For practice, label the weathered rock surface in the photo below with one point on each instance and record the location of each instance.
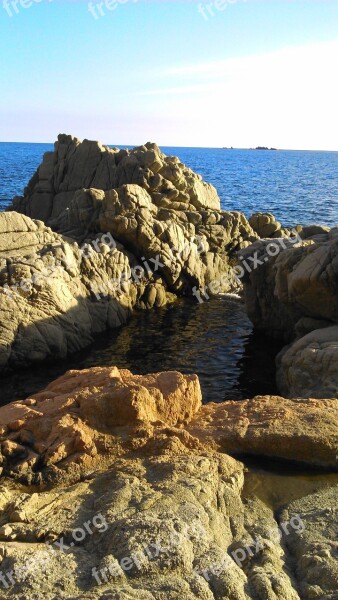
(291, 290)
(300, 282)
(129, 229)
(166, 517)
(75, 165)
(315, 550)
(298, 430)
(309, 366)
(267, 226)
(46, 296)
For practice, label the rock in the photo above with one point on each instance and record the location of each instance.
(291, 291)
(75, 165)
(315, 550)
(128, 229)
(72, 419)
(299, 281)
(309, 366)
(297, 430)
(267, 226)
(142, 502)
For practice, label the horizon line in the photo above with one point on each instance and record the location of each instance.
(266, 149)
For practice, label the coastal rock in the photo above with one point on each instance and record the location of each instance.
(315, 550)
(299, 430)
(292, 281)
(74, 417)
(267, 226)
(46, 292)
(155, 511)
(81, 420)
(128, 229)
(309, 367)
(75, 165)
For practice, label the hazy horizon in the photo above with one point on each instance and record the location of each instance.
(119, 145)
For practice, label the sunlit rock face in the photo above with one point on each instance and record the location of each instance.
(100, 232)
(143, 502)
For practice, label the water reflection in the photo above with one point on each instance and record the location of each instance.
(213, 339)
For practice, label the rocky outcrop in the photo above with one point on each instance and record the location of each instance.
(309, 366)
(69, 427)
(46, 292)
(75, 165)
(128, 229)
(315, 550)
(291, 291)
(267, 226)
(142, 501)
(300, 282)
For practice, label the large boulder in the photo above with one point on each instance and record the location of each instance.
(304, 431)
(292, 281)
(47, 306)
(309, 366)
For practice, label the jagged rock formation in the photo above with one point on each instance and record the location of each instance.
(142, 506)
(301, 281)
(75, 165)
(294, 291)
(128, 229)
(46, 287)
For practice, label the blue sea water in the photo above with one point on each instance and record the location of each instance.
(297, 186)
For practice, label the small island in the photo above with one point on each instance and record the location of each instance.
(265, 148)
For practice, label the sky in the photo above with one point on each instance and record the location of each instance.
(214, 73)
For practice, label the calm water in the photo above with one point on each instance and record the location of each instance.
(214, 339)
(298, 187)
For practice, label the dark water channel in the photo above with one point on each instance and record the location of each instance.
(213, 339)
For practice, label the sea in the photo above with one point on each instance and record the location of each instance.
(298, 187)
(214, 339)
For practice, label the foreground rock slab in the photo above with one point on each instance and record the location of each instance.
(301, 430)
(142, 502)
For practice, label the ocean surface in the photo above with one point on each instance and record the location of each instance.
(298, 187)
(214, 339)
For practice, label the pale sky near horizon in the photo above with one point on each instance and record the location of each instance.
(258, 72)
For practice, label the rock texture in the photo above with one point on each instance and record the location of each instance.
(309, 366)
(46, 292)
(300, 282)
(297, 430)
(142, 501)
(293, 294)
(128, 229)
(267, 226)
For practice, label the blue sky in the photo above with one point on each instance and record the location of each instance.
(239, 73)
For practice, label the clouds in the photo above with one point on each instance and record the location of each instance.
(286, 98)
